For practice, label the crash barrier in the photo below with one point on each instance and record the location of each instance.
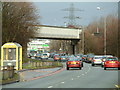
(7, 72)
(41, 64)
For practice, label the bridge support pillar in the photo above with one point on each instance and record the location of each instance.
(74, 43)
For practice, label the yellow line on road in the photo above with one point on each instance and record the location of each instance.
(117, 86)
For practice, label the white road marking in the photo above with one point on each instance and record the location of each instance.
(82, 74)
(62, 82)
(50, 86)
(86, 72)
(72, 79)
(78, 76)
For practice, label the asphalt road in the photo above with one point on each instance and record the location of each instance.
(88, 77)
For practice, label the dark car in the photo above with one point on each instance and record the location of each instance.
(84, 57)
(73, 63)
(63, 58)
(89, 58)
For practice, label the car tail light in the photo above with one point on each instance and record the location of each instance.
(106, 62)
(94, 60)
(82, 57)
(116, 62)
(69, 63)
(77, 62)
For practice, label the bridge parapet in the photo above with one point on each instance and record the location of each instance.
(51, 32)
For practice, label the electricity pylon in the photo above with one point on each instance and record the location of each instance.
(71, 17)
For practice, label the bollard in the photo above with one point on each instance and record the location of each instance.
(13, 71)
(3, 75)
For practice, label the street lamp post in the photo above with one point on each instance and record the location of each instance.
(105, 36)
(83, 41)
(105, 29)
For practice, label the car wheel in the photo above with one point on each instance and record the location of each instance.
(92, 64)
(67, 68)
(104, 68)
(82, 65)
(101, 65)
(118, 68)
(80, 68)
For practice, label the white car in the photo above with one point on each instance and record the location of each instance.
(44, 56)
(97, 60)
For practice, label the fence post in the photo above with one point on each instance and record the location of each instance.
(3, 71)
(12, 68)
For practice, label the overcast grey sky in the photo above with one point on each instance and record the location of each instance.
(52, 14)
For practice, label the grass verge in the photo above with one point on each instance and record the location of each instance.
(55, 64)
(29, 66)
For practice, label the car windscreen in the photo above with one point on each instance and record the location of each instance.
(57, 56)
(98, 57)
(44, 54)
(73, 59)
(109, 59)
(63, 56)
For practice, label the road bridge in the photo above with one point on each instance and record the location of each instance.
(55, 32)
(58, 33)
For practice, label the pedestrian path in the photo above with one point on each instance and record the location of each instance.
(30, 74)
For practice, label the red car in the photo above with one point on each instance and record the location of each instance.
(73, 63)
(112, 62)
(56, 58)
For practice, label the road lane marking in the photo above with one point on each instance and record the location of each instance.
(50, 86)
(82, 74)
(72, 79)
(89, 68)
(86, 72)
(62, 82)
(78, 76)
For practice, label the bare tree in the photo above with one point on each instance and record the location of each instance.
(95, 43)
(16, 19)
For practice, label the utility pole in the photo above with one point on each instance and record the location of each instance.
(83, 41)
(105, 36)
(71, 16)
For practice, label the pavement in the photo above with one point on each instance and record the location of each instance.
(27, 75)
